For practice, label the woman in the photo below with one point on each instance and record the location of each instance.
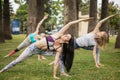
(31, 38)
(94, 40)
(52, 42)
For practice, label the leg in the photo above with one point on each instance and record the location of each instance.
(25, 43)
(62, 70)
(30, 50)
(23, 56)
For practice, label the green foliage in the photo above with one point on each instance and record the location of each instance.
(83, 67)
(114, 9)
(20, 2)
(84, 6)
(22, 12)
(55, 11)
(114, 23)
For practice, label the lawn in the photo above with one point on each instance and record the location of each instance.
(83, 67)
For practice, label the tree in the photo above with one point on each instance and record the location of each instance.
(117, 43)
(22, 10)
(104, 13)
(114, 23)
(1, 26)
(55, 10)
(6, 20)
(70, 14)
(92, 13)
(35, 14)
(84, 6)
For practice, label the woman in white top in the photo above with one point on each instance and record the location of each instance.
(94, 40)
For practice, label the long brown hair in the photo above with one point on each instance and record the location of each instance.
(68, 54)
(102, 40)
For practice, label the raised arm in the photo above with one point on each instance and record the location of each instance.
(101, 22)
(67, 26)
(40, 23)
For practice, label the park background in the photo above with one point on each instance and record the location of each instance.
(60, 12)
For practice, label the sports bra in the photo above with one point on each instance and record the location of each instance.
(32, 39)
(50, 43)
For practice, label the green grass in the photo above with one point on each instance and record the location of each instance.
(83, 66)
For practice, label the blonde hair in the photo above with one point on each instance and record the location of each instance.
(102, 40)
(42, 34)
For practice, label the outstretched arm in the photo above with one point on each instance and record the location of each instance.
(101, 22)
(56, 62)
(39, 24)
(67, 26)
(94, 56)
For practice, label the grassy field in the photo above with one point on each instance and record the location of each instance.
(83, 66)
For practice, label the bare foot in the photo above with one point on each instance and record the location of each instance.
(100, 64)
(6, 56)
(56, 77)
(97, 66)
(1, 71)
(65, 74)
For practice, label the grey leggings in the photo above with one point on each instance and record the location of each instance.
(24, 44)
(29, 51)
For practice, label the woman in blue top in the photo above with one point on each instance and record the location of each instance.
(60, 42)
(31, 38)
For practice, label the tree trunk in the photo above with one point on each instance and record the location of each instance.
(92, 13)
(36, 13)
(6, 20)
(70, 14)
(40, 13)
(117, 43)
(104, 13)
(1, 26)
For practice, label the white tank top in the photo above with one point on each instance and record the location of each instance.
(86, 40)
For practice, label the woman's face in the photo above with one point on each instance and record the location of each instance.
(66, 38)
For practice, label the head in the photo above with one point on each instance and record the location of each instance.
(42, 34)
(66, 38)
(68, 51)
(101, 38)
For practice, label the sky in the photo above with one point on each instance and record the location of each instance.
(16, 6)
(116, 2)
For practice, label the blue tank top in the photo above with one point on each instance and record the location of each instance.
(32, 39)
